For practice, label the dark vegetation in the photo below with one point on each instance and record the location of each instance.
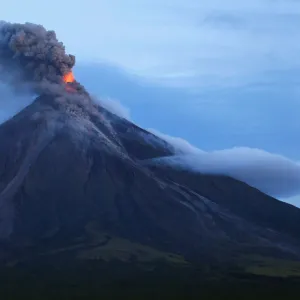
(115, 280)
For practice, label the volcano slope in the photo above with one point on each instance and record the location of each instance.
(77, 185)
(67, 166)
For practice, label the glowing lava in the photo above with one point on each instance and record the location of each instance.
(69, 77)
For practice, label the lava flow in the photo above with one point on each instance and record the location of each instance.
(69, 77)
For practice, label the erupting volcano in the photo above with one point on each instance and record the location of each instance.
(31, 54)
(69, 77)
(79, 182)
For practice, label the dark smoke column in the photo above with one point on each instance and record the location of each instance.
(32, 54)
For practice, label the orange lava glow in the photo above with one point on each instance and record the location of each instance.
(69, 77)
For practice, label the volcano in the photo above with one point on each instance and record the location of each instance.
(72, 171)
(86, 202)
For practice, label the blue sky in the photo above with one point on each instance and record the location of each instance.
(217, 73)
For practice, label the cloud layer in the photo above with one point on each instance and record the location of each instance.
(115, 107)
(273, 174)
(220, 119)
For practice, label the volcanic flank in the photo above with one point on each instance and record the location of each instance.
(71, 170)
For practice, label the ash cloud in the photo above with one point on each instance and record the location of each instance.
(32, 60)
(31, 54)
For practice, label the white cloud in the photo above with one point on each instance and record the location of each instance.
(273, 174)
(195, 43)
(115, 106)
(181, 145)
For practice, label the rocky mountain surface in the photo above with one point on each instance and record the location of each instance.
(67, 167)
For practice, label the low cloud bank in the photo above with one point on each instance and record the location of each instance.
(273, 174)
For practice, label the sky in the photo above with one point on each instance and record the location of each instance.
(218, 74)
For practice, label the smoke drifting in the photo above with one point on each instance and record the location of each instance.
(273, 174)
(30, 53)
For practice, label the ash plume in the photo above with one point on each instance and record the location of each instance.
(33, 55)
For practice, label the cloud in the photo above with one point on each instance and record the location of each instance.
(188, 42)
(273, 174)
(181, 145)
(217, 118)
(194, 44)
(115, 107)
